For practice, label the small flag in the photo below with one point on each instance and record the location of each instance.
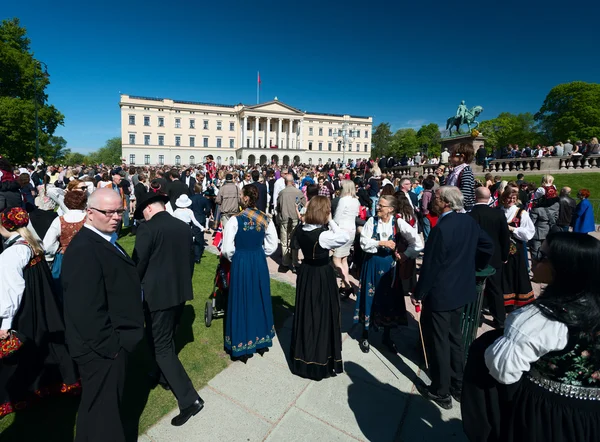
(259, 82)
(218, 239)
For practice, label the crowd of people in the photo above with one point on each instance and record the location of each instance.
(331, 221)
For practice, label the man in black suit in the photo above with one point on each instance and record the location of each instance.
(103, 316)
(456, 248)
(261, 204)
(493, 222)
(406, 187)
(163, 246)
(176, 188)
(187, 177)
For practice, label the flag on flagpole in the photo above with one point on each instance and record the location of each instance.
(258, 88)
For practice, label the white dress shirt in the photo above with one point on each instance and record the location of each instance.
(228, 250)
(52, 238)
(329, 239)
(526, 228)
(187, 216)
(278, 187)
(528, 335)
(12, 284)
(384, 231)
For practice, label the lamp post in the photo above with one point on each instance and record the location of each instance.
(35, 100)
(346, 135)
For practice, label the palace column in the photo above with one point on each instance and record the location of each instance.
(290, 128)
(267, 130)
(301, 136)
(255, 132)
(245, 125)
(279, 133)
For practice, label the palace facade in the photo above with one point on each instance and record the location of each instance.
(164, 131)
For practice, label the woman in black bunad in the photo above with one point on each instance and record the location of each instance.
(316, 351)
(540, 379)
(29, 311)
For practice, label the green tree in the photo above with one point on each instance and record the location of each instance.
(22, 84)
(403, 142)
(430, 134)
(55, 149)
(509, 128)
(73, 158)
(571, 110)
(382, 138)
(109, 154)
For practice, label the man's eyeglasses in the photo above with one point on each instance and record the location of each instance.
(109, 213)
(382, 207)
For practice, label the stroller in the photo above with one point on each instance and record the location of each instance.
(217, 302)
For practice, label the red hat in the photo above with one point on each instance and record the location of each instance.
(13, 219)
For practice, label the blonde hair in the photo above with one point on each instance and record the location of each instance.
(376, 170)
(348, 189)
(33, 242)
(547, 180)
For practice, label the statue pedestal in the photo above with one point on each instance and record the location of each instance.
(450, 142)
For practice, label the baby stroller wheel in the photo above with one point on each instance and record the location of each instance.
(208, 313)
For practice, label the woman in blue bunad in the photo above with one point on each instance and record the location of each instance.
(380, 302)
(248, 238)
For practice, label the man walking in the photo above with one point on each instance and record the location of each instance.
(176, 188)
(456, 248)
(261, 204)
(164, 246)
(493, 222)
(566, 209)
(287, 211)
(103, 316)
(228, 199)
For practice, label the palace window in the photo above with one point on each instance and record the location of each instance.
(146, 140)
(161, 121)
(320, 131)
(146, 121)
(132, 158)
(219, 123)
(205, 125)
(366, 134)
(310, 145)
(205, 142)
(329, 146)
(131, 138)
(339, 146)
(146, 159)
(330, 133)
(161, 159)
(177, 160)
(161, 140)
(192, 141)
(218, 142)
(192, 124)
(132, 120)
(320, 146)
(177, 123)
(310, 131)
(177, 141)
(231, 126)
(192, 160)
(349, 147)
(231, 143)
(366, 147)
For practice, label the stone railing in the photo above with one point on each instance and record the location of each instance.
(565, 164)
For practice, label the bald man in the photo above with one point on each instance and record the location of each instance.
(103, 316)
(493, 222)
(566, 209)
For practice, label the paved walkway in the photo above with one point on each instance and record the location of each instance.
(373, 400)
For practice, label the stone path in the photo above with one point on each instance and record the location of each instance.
(373, 400)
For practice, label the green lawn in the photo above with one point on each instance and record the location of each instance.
(201, 354)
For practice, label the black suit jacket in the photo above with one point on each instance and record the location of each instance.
(164, 257)
(191, 185)
(175, 189)
(493, 222)
(415, 200)
(455, 249)
(102, 298)
(201, 207)
(261, 204)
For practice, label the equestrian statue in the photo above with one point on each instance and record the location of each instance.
(464, 116)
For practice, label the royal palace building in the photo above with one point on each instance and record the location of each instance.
(164, 131)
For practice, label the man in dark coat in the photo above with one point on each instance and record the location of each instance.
(103, 316)
(163, 246)
(261, 204)
(493, 222)
(176, 188)
(202, 208)
(187, 177)
(456, 248)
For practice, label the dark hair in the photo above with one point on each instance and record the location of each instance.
(388, 189)
(520, 176)
(255, 175)
(250, 191)
(23, 179)
(573, 296)
(76, 200)
(105, 177)
(466, 150)
(312, 190)
(174, 173)
(317, 212)
(403, 207)
(428, 183)
(156, 187)
(5, 164)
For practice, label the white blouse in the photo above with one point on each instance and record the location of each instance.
(52, 238)
(411, 234)
(330, 239)
(528, 335)
(187, 216)
(346, 213)
(384, 231)
(12, 284)
(526, 228)
(228, 250)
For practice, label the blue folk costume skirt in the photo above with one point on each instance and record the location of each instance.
(249, 319)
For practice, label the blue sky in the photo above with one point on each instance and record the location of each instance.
(406, 64)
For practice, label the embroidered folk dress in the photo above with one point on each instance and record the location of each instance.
(248, 239)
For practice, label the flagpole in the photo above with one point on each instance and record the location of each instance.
(257, 87)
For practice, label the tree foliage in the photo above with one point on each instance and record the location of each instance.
(509, 128)
(430, 134)
(404, 141)
(109, 154)
(571, 111)
(23, 83)
(382, 137)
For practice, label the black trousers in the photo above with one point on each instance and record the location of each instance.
(99, 414)
(160, 331)
(495, 296)
(443, 342)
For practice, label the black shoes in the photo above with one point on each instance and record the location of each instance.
(262, 351)
(364, 345)
(185, 414)
(456, 393)
(444, 402)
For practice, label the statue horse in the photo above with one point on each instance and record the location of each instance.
(468, 119)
